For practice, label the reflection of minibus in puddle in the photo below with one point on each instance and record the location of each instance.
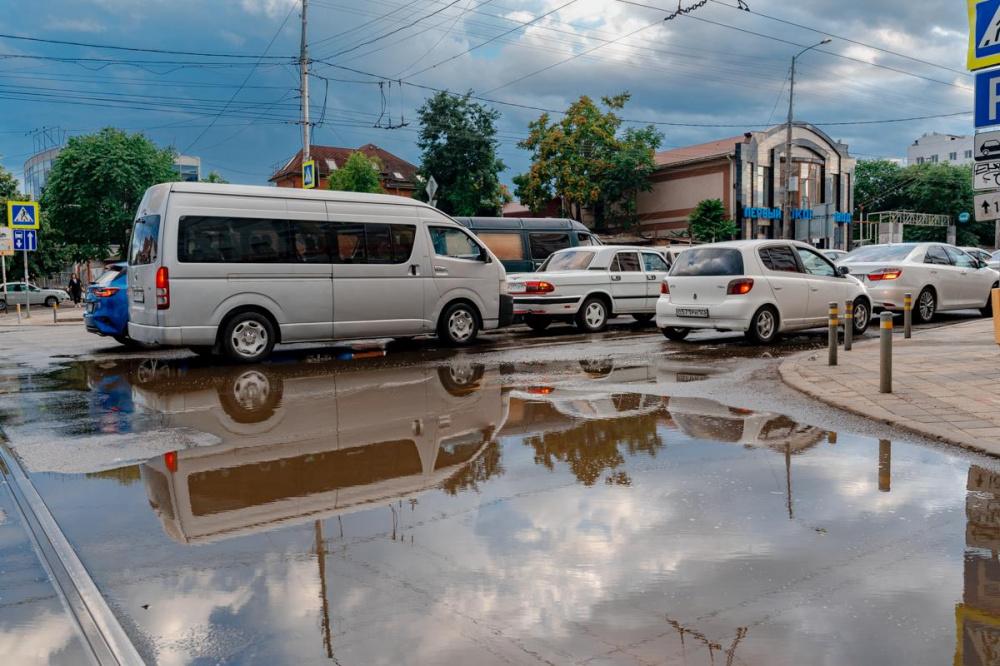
(305, 445)
(701, 418)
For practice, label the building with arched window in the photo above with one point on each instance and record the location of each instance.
(746, 172)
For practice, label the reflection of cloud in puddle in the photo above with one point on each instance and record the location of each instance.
(37, 643)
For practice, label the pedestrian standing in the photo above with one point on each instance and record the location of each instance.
(75, 290)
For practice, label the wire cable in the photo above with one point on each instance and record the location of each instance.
(392, 32)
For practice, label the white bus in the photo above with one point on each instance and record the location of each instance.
(235, 269)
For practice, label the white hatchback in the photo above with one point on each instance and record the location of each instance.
(759, 287)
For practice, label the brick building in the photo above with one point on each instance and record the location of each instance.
(398, 176)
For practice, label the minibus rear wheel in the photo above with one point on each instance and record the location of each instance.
(248, 337)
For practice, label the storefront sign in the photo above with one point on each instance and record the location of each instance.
(842, 218)
(775, 213)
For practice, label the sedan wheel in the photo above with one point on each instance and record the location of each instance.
(926, 306)
(862, 316)
(593, 315)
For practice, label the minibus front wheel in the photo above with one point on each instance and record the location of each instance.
(459, 324)
(248, 337)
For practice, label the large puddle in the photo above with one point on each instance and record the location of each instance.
(368, 513)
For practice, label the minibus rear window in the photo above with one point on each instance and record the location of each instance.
(544, 244)
(145, 240)
(507, 246)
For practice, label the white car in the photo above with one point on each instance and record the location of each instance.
(994, 261)
(980, 254)
(19, 293)
(939, 276)
(589, 285)
(759, 287)
(834, 255)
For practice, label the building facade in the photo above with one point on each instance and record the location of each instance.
(36, 171)
(934, 148)
(397, 175)
(745, 173)
(188, 168)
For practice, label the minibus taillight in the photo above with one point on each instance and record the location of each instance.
(740, 286)
(162, 288)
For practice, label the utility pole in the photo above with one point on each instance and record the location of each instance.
(304, 83)
(788, 230)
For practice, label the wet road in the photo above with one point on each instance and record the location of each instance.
(550, 499)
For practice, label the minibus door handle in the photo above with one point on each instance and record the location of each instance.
(440, 270)
(414, 269)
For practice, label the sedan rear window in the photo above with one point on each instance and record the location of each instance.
(879, 253)
(568, 261)
(708, 261)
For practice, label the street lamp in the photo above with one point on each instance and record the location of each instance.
(786, 209)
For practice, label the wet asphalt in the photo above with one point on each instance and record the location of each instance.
(540, 498)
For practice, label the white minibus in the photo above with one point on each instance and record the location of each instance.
(236, 269)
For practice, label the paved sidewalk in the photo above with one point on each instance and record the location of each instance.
(42, 316)
(946, 383)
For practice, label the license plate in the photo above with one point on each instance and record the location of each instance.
(138, 296)
(691, 312)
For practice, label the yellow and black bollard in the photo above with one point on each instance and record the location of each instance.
(832, 336)
(848, 325)
(885, 353)
(907, 315)
(55, 312)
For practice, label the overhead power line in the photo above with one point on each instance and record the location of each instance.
(392, 32)
(115, 47)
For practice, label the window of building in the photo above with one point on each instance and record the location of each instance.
(934, 159)
(188, 172)
(544, 244)
(920, 160)
(968, 154)
(952, 156)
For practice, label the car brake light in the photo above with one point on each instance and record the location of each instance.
(538, 287)
(105, 292)
(740, 286)
(664, 287)
(541, 390)
(162, 288)
(885, 274)
(170, 460)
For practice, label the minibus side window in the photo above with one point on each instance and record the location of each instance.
(544, 244)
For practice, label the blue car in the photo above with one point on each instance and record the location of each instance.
(106, 304)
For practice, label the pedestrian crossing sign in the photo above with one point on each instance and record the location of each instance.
(22, 214)
(309, 174)
(984, 33)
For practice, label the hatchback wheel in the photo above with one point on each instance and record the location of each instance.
(764, 325)
(644, 318)
(675, 333)
(248, 337)
(458, 325)
(926, 306)
(593, 315)
(862, 316)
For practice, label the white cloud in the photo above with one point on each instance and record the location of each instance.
(75, 25)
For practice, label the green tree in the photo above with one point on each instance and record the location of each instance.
(214, 177)
(359, 174)
(95, 187)
(459, 149)
(50, 256)
(708, 223)
(877, 186)
(588, 160)
(8, 186)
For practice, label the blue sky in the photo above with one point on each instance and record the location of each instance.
(706, 68)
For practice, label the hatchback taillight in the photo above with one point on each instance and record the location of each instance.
(105, 292)
(740, 286)
(885, 274)
(664, 288)
(162, 288)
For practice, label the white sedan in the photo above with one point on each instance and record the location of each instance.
(589, 285)
(759, 287)
(939, 276)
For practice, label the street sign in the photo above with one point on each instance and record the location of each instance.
(984, 33)
(986, 175)
(22, 214)
(987, 146)
(432, 186)
(988, 97)
(963, 217)
(987, 206)
(6, 242)
(309, 173)
(25, 239)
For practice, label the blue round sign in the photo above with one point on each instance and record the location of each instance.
(963, 217)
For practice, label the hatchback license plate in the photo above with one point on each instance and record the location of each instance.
(692, 312)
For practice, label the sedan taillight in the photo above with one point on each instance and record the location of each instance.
(740, 286)
(538, 287)
(664, 288)
(885, 274)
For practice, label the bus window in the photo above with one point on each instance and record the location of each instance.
(506, 246)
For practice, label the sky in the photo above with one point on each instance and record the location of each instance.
(714, 72)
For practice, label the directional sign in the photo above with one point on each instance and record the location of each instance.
(25, 239)
(963, 217)
(309, 172)
(987, 206)
(22, 214)
(984, 33)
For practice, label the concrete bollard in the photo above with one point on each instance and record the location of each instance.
(885, 353)
(907, 315)
(848, 325)
(55, 313)
(832, 334)
(18, 306)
